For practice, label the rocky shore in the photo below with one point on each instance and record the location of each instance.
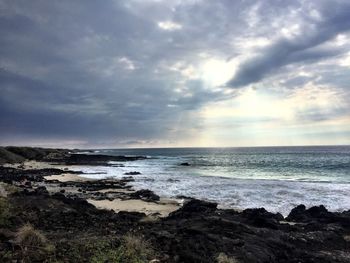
(50, 214)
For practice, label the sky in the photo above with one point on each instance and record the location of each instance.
(180, 73)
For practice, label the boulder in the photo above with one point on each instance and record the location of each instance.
(194, 206)
(259, 217)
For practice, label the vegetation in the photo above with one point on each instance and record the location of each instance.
(5, 212)
(8, 188)
(33, 244)
(223, 258)
(133, 249)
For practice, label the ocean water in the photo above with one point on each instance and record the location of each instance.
(277, 178)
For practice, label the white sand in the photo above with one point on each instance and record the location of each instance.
(163, 207)
(66, 177)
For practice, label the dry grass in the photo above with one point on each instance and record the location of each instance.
(7, 189)
(137, 246)
(132, 249)
(223, 258)
(34, 245)
(28, 237)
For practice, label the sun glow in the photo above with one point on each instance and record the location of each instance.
(251, 104)
(262, 117)
(217, 72)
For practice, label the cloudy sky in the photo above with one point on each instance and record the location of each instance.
(151, 73)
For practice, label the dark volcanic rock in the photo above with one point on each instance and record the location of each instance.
(41, 190)
(301, 214)
(9, 175)
(197, 232)
(132, 173)
(259, 217)
(146, 195)
(319, 215)
(194, 206)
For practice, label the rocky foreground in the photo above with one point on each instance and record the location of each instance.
(45, 220)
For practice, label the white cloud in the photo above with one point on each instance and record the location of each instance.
(127, 63)
(169, 25)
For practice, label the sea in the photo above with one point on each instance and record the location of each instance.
(276, 178)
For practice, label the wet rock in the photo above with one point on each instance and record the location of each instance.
(318, 215)
(194, 206)
(184, 197)
(259, 217)
(170, 180)
(145, 195)
(127, 179)
(132, 173)
(301, 214)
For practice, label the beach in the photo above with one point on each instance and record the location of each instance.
(68, 200)
(276, 178)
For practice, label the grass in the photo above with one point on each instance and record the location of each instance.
(223, 258)
(11, 189)
(133, 249)
(31, 245)
(27, 236)
(5, 212)
(34, 245)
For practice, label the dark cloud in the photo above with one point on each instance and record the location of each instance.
(102, 71)
(301, 47)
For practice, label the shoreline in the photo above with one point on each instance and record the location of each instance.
(79, 176)
(157, 208)
(66, 208)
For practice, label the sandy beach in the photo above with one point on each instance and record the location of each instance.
(160, 208)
